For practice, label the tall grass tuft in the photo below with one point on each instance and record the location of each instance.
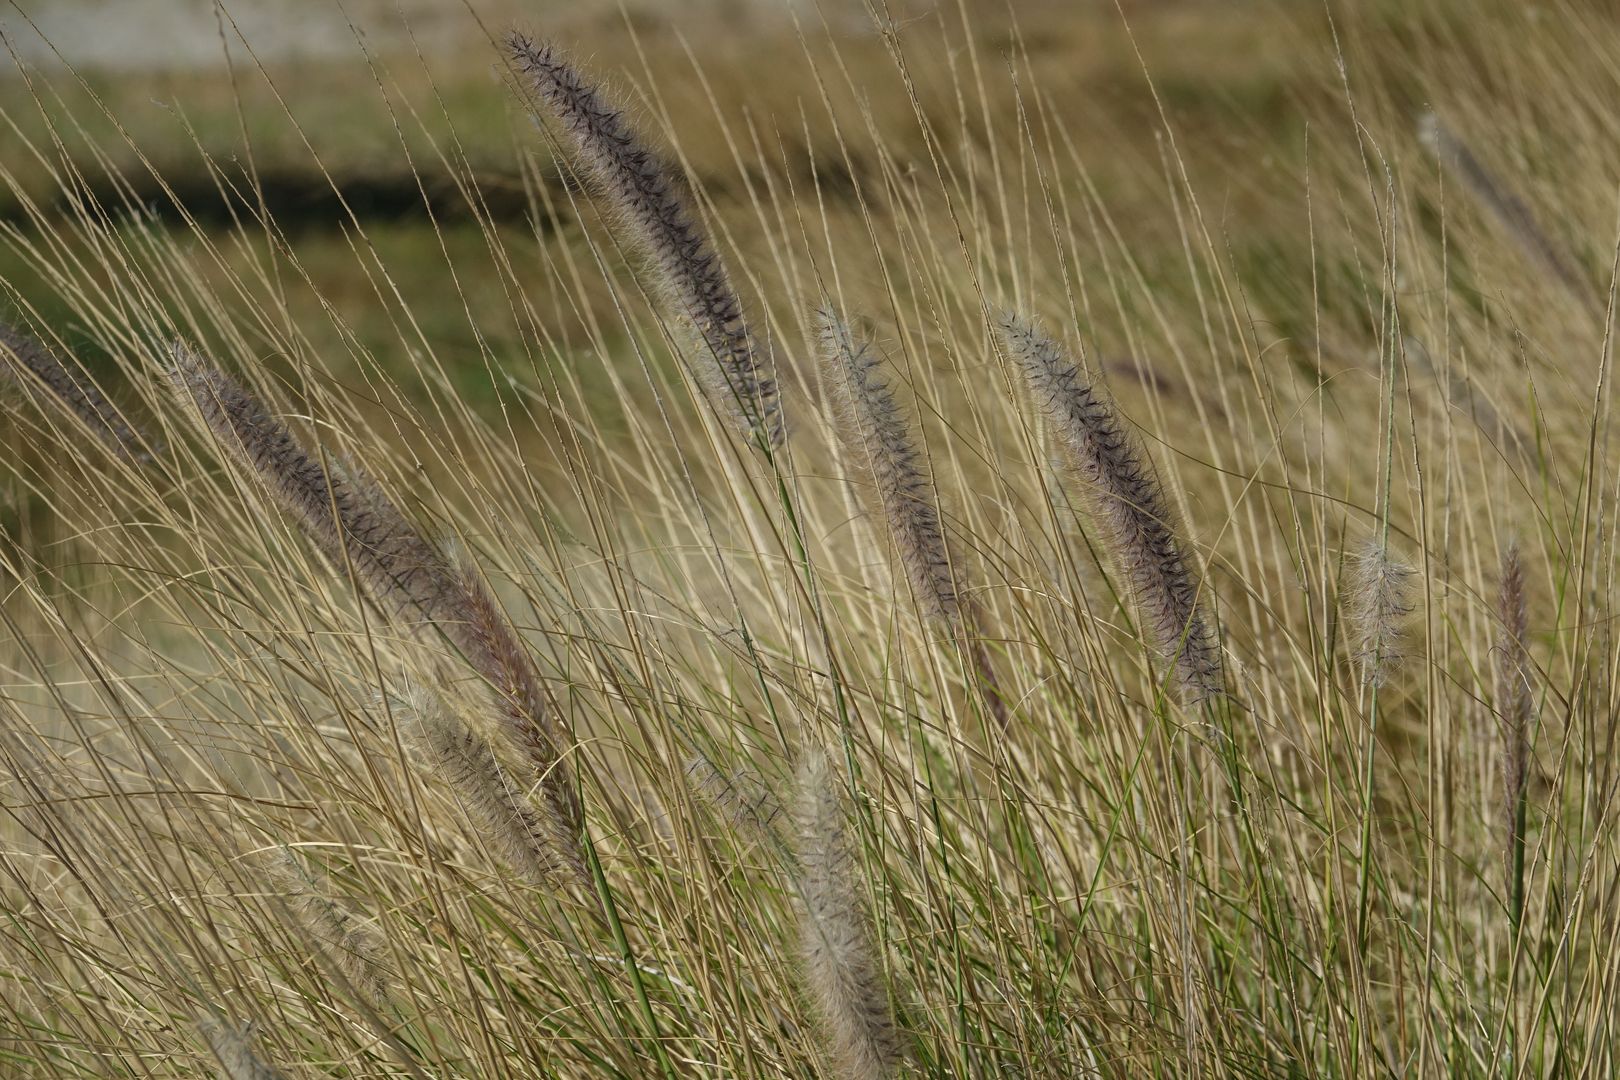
(841, 966)
(1087, 892)
(688, 269)
(1128, 500)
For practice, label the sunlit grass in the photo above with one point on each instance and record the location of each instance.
(222, 834)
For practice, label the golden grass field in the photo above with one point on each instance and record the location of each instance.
(411, 666)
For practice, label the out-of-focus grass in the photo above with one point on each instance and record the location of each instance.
(1225, 74)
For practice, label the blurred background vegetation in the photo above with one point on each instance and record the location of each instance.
(391, 121)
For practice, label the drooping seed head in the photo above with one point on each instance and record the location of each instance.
(688, 271)
(1128, 501)
(355, 524)
(535, 841)
(25, 362)
(354, 946)
(880, 438)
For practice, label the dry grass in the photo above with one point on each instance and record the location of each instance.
(258, 812)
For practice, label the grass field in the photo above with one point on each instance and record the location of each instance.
(1170, 633)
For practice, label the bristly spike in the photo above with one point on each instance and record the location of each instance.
(688, 269)
(233, 1049)
(1129, 502)
(20, 353)
(535, 842)
(1515, 701)
(354, 946)
(842, 968)
(880, 437)
(353, 522)
(1377, 602)
(751, 808)
(879, 434)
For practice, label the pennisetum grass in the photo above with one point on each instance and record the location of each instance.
(350, 944)
(1128, 500)
(25, 360)
(537, 844)
(355, 525)
(747, 805)
(1104, 906)
(881, 439)
(234, 1051)
(841, 967)
(688, 270)
(1378, 599)
(1514, 702)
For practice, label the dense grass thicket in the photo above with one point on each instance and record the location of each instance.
(887, 543)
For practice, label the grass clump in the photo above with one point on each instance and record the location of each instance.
(568, 732)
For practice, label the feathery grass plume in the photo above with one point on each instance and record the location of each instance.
(1128, 502)
(878, 432)
(21, 356)
(688, 269)
(233, 1049)
(1514, 701)
(748, 805)
(841, 966)
(1377, 602)
(350, 519)
(354, 946)
(536, 842)
(1511, 212)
